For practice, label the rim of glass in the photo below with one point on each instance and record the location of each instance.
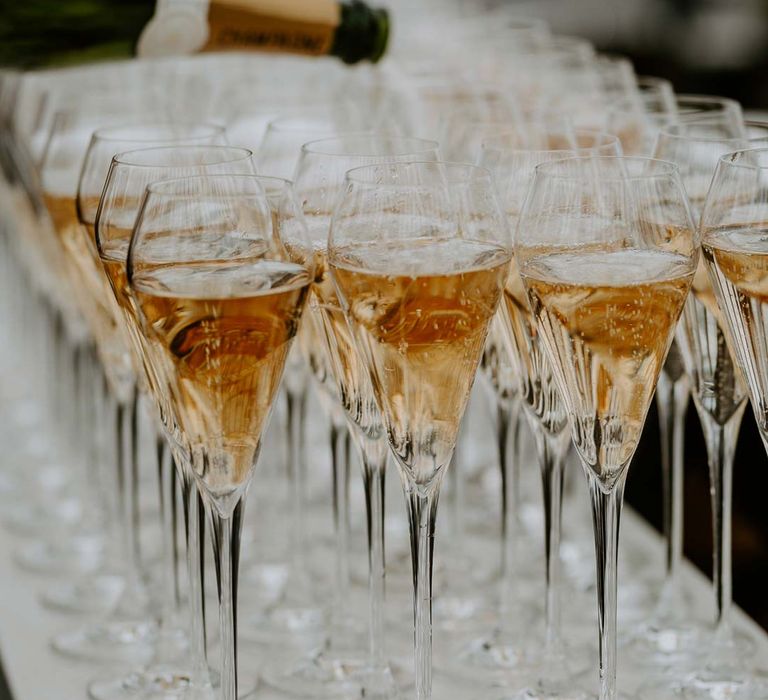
(661, 168)
(697, 98)
(611, 140)
(410, 145)
(729, 159)
(112, 133)
(358, 175)
(299, 124)
(669, 131)
(167, 187)
(238, 153)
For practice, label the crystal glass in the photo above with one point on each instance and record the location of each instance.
(219, 289)
(595, 255)
(732, 222)
(674, 638)
(128, 626)
(546, 671)
(419, 253)
(127, 178)
(319, 182)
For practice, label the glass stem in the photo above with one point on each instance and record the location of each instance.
(551, 451)
(132, 601)
(296, 399)
(374, 460)
(226, 531)
(165, 471)
(672, 397)
(606, 514)
(421, 502)
(193, 525)
(721, 447)
(508, 417)
(340, 445)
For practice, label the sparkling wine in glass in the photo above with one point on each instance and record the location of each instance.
(606, 293)
(419, 254)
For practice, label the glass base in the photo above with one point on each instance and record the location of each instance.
(546, 690)
(492, 658)
(710, 686)
(79, 554)
(285, 625)
(165, 683)
(675, 646)
(126, 642)
(319, 675)
(35, 520)
(93, 595)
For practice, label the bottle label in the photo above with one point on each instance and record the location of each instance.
(295, 26)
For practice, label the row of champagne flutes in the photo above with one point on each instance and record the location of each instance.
(421, 415)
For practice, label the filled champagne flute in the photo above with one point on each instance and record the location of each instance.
(606, 290)
(133, 606)
(127, 178)
(219, 290)
(419, 254)
(319, 181)
(545, 670)
(732, 229)
(719, 394)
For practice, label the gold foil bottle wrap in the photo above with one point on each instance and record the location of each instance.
(295, 26)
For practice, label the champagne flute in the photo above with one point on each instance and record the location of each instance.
(606, 290)
(419, 254)
(719, 397)
(130, 621)
(220, 292)
(733, 240)
(319, 181)
(127, 178)
(547, 671)
(718, 391)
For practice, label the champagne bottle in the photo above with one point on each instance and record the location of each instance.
(47, 33)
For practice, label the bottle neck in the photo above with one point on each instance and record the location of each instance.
(362, 33)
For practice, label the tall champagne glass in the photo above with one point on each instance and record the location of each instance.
(419, 254)
(606, 290)
(319, 181)
(220, 291)
(113, 343)
(127, 178)
(732, 229)
(719, 394)
(549, 670)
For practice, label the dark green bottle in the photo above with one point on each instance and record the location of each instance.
(47, 33)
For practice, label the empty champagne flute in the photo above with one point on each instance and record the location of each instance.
(606, 290)
(419, 253)
(220, 290)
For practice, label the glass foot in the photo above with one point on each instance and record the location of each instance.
(130, 643)
(284, 624)
(23, 518)
(708, 686)
(673, 646)
(79, 554)
(154, 682)
(319, 675)
(93, 595)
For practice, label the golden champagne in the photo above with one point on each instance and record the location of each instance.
(738, 260)
(223, 330)
(540, 395)
(421, 331)
(607, 319)
(92, 292)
